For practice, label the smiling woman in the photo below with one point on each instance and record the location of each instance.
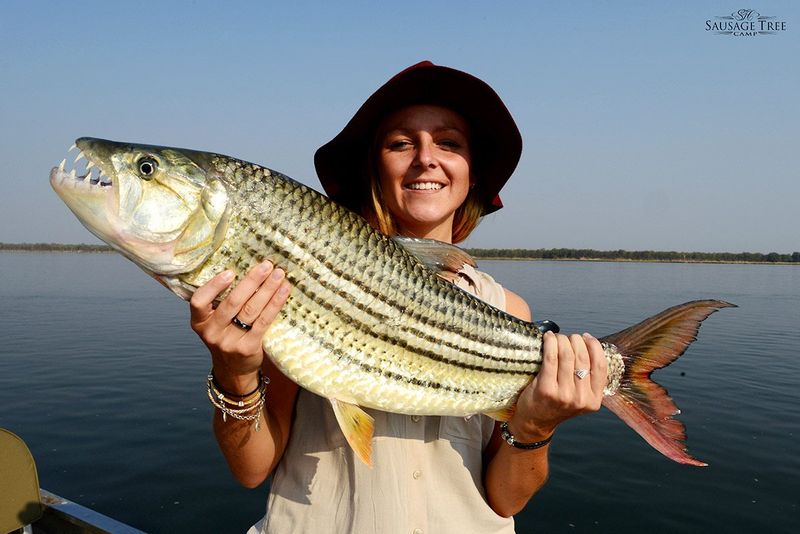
(424, 170)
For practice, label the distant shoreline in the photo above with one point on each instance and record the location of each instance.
(625, 260)
(645, 256)
(53, 247)
(561, 254)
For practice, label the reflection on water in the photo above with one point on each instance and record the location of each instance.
(101, 375)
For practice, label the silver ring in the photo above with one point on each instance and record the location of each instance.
(240, 324)
(581, 373)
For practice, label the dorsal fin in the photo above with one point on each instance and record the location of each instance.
(442, 258)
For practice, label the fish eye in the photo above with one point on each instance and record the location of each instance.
(147, 166)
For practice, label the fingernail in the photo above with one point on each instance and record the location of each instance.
(226, 276)
(587, 335)
(283, 290)
(265, 266)
(277, 274)
(548, 334)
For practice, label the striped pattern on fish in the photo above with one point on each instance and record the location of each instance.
(371, 320)
(396, 336)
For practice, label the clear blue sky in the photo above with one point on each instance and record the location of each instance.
(642, 130)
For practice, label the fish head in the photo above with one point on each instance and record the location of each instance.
(163, 208)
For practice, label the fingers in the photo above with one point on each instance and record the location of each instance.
(559, 359)
(581, 354)
(549, 370)
(240, 294)
(264, 306)
(254, 305)
(272, 308)
(562, 356)
(545, 384)
(566, 362)
(201, 303)
(598, 366)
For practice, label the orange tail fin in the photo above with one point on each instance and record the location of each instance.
(652, 344)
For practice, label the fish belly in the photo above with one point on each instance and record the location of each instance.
(325, 353)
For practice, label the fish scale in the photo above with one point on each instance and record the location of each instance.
(295, 247)
(370, 322)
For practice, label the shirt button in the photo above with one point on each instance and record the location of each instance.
(415, 418)
(416, 474)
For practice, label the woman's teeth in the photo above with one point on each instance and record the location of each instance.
(425, 186)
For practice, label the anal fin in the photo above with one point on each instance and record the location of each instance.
(357, 427)
(503, 414)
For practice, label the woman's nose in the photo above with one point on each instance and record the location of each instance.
(425, 154)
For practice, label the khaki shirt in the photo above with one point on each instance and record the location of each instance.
(426, 476)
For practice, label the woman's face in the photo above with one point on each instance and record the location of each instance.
(424, 169)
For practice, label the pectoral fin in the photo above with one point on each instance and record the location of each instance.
(442, 258)
(357, 427)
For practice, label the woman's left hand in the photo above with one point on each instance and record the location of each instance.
(558, 393)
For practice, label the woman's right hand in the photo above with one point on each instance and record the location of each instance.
(237, 354)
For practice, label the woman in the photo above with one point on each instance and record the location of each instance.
(425, 156)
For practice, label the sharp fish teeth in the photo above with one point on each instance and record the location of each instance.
(78, 157)
(73, 174)
(61, 165)
(73, 147)
(89, 165)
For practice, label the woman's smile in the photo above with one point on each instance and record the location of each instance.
(425, 186)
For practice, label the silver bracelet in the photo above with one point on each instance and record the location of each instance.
(247, 408)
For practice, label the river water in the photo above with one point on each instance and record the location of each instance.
(101, 375)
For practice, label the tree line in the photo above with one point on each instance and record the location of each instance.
(55, 247)
(633, 255)
(519, 253)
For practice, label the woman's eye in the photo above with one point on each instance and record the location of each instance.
(450, 143)
(399, 144)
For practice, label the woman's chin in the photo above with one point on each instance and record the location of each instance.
(434, 225)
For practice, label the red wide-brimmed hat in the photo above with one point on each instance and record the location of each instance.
(496, 144)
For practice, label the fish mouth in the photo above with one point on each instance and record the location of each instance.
(86, 174)
(87, 188)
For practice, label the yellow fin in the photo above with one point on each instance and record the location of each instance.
(503, 414)
(357, 427)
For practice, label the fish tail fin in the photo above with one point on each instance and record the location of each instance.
(652, 344)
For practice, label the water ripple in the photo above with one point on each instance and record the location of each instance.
(101, 375)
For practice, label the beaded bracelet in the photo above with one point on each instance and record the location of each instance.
(214, 382)
(242, 400)
(509, 438)
(243, 407)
